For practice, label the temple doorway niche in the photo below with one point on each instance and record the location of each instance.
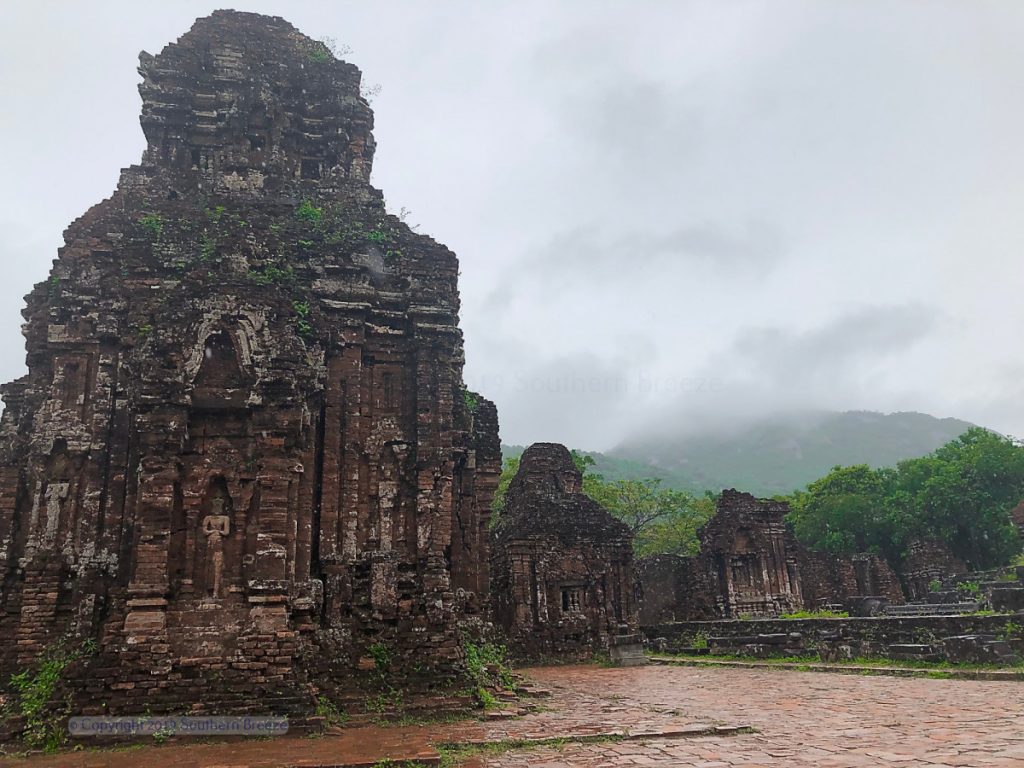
(220, 382)
(746, 563)
(218, 559)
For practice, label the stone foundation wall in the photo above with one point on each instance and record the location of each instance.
(831, 639)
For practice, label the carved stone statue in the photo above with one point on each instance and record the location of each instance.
(215, 527)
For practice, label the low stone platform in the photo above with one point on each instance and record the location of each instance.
(973, 638)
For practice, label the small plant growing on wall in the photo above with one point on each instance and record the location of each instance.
(488, 666)
(970, 588)
(381, 656)
(470, 401)
(153, 224)
(309, 212)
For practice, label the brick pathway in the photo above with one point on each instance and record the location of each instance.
(803, 719)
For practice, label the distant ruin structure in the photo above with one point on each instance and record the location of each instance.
(751, 565)
(243, 455)
(927, 564)
(562, 581)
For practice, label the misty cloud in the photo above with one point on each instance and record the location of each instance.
(821, 355)
(767, 370)
(604, 263)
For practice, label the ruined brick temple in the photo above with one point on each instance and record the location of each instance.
(243, 456)
(750, 564)
(562, 565)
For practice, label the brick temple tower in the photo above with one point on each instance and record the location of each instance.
(562, 565)
(243, 454)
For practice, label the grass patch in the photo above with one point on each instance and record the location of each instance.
(454, 755)
(816, 615)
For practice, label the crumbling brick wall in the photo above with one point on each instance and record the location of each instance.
(674, 588)
(928, 561)
(750, 558)
(243, 450)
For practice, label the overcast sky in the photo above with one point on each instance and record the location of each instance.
(670, 215)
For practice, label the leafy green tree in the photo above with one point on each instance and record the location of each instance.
(960, 494)
(660, 519)
(676, 533)
(845, 511)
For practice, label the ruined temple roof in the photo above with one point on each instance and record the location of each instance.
(546, 497)
(738, 510)
(252, 92)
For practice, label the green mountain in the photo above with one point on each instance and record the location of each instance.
(777, 455)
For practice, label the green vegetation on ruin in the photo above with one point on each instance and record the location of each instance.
(153, 223)
(821, 614)
(470, 400)
(488, 666)
(36, 691)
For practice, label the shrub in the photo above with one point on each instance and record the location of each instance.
(488, 666)
(36, 687)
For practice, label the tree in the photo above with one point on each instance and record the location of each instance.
(660, 519)
(961, 495)
(845, 511)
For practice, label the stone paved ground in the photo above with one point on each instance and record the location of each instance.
(803, 719)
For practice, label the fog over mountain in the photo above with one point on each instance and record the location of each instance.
(672, 217)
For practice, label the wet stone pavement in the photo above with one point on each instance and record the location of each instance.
(799, 719)
(802, 719)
